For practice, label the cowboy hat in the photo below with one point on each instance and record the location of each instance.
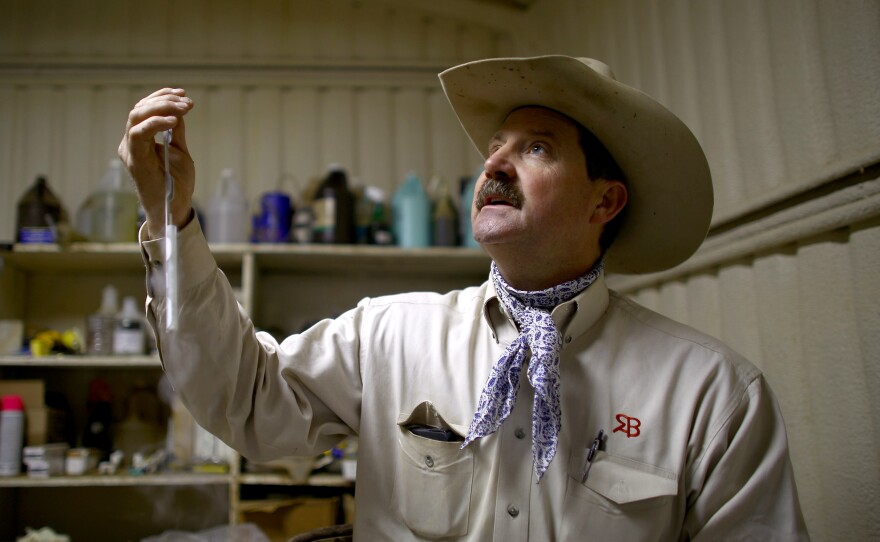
(667, 175)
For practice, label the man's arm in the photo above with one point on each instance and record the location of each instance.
(263, 399)
(742, 486)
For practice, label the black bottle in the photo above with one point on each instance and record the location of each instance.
(333, 209)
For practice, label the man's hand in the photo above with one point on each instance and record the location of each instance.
(145, 160)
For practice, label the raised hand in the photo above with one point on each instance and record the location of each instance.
(144, 158)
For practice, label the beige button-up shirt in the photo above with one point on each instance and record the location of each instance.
(694, 447)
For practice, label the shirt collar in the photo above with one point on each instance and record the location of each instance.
(573, 318)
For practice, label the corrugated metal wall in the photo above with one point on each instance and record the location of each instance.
(781, 93)
(783, 96)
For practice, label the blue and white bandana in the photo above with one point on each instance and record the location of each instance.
(538, 334)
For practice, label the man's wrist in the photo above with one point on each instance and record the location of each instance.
(156, 228)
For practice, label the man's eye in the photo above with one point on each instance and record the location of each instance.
(537, 148)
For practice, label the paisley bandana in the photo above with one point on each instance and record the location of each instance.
(538, 334)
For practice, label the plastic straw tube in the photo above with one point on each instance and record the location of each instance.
(171, 255)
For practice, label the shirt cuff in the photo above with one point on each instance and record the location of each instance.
(195, 261)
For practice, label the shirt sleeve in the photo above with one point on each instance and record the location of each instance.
(742, 487)
(263, 398)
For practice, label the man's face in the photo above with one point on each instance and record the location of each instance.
(534, 194)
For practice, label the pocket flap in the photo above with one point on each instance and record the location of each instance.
(624, 480)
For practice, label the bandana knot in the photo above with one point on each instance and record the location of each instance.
(540, 337)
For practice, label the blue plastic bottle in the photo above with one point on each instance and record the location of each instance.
(411, 211)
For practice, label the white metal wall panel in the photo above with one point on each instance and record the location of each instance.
(266, 106)
(783, 96)
(807, 315)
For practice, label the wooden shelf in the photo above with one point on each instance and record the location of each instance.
(322, 480)
(79, 362)
(322, 278)
(169, 479)
(441, 261)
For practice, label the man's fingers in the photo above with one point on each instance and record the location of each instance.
(178, 138)
(167, 90)
(145, 132)
(161, 105)
(157, 115)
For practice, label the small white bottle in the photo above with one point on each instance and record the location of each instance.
(226, 219)
(101, 326)
(11, 435)
(128, 337)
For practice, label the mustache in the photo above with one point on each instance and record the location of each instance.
(505, 190)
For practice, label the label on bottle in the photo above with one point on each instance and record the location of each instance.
(325, 215)
(31, 234)
(128, 341)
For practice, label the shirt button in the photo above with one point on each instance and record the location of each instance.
(513, 511)
(519, 433)
(429, 461)
(568, 339)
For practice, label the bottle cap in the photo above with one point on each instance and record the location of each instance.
(108, 301)
(12, 402)
(130, 308)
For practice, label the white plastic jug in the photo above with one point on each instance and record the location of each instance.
(112, 207)
(226, 218)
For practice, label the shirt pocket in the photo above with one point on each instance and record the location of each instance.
(433, 487)
(622, 499)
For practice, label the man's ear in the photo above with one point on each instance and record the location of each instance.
(613, 196)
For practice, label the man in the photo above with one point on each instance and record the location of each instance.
(625, 426)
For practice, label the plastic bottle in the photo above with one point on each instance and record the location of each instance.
(411, 212)
(380, 229)
(99, 418)
(467, 199)
(333, 208)
(363, 213)
(100, 327)
(303, 224)
(226, 218)
(39, 212)
(113, 208)
(11, 434)
(445, 220)
(128, 336)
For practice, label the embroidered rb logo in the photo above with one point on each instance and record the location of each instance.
(628, 425)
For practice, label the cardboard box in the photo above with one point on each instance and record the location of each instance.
(36, 425)
(281, 519)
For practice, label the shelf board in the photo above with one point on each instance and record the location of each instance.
(268, 479)
(80, 362)
(349, 259)
(170, 479)
(284, 257)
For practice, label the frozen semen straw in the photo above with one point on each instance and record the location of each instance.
(170, 245)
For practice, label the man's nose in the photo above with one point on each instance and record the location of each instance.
(498, 166)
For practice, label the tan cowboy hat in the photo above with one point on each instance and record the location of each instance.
(670, 187)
